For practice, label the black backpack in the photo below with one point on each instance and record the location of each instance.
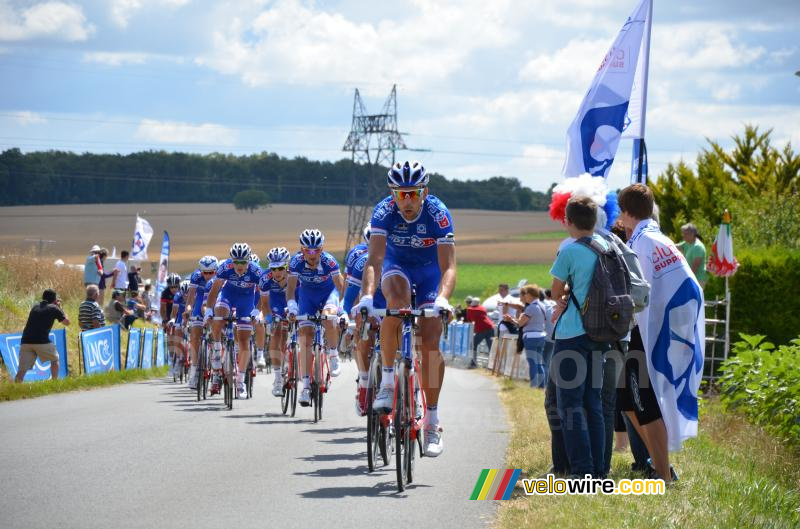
(608, 309)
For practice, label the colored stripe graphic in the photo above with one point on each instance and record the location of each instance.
(487, 484)
(479, 485)
(498, 480)
(501, 489)
(511, 484)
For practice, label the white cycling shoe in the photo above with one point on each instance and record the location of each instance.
(193, 376)
(216, 360)
(261, 362)
(305, 397)
(336, 369)
(277, 387)
(384, 400)
(433, 445)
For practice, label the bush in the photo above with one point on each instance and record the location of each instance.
(763, 382)
(764, 294)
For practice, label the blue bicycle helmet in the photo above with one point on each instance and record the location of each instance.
(408, 174)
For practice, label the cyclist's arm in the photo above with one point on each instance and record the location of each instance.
(162, 310)
(447, 264)
(377, 251)
(212, 294)
(291, 286)
(191, 295)
(340, 283)
(174, 314)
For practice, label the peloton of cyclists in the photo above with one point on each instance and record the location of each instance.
(199, 282)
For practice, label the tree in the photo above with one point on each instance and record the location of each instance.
(251, 199)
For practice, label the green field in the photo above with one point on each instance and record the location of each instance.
(482, 279)
(542, 236)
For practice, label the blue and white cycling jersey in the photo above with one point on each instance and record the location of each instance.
(354, 286)
(414, 242)
(317, 278)
(277, 293)
(352, 256)
(238, 285)
(200, 292)
(180, 301)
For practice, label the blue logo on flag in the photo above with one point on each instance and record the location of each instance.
(681, 315)
(601, 129)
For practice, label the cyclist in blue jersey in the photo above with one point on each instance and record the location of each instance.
(259, 328)
(176, 320)
(353, 288)
(321, 285)
(233, 289)
(273, 304)
(363, 346)
(411, 245)
(196, 299)
(165, 311)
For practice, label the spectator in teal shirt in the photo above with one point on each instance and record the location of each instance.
(577, 360)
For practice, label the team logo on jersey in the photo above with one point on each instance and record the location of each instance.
(384, 209)
(422, 242)
(331, 262)
(421, 229)
(402, 226)
(442, 220)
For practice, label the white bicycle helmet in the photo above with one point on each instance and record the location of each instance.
(254, 259)
(278, 257)
(240, 251)
(209, 263)
(184, 286)
(408, 174)
(173, 280)
(312, 238)
(366, 233)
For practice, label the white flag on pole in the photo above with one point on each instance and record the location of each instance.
(142, 234)
(594, 134)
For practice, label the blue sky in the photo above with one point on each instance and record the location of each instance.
(489, 87)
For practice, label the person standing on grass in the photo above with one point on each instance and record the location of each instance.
(120, 276)
(93, 268)
(577, 358)
(35, 341)
(665, 361)
(532, 322)
(695, 252)
(484, 328)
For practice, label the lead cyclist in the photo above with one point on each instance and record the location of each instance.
(411, 245)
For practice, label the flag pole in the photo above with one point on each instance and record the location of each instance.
(639, 147)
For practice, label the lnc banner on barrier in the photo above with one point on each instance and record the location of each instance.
(147, 344)
(147, 356)
(101, 349)
(9, 348)
(132, 352)
(161, 351)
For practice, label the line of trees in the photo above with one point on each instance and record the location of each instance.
(58, 177)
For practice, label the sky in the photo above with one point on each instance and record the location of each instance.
(483, 88)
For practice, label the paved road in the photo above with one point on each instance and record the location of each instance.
(148, 455)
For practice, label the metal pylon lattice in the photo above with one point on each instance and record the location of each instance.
(372, 141)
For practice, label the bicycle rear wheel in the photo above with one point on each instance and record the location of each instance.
(229, 376)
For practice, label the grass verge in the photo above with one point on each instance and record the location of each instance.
(482, 279)
(542, 236)
(12, 391)
(732, 475)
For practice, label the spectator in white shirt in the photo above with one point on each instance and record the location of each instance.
(120, 276)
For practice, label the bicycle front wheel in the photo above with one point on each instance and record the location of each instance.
(401, 434)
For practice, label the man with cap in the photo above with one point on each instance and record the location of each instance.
(484, 328)
(35, 343)
(93, 267)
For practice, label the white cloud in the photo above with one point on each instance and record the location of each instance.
(170, 132)
(293, 42)
(577, 62)
(123, 10)
(127, 57)
(26, 117)
(56, 20)
(705, 46)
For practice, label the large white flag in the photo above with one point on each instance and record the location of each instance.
(594, 134)
(673, 330)
(142, 234)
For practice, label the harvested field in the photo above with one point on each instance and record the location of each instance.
(199, 229)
